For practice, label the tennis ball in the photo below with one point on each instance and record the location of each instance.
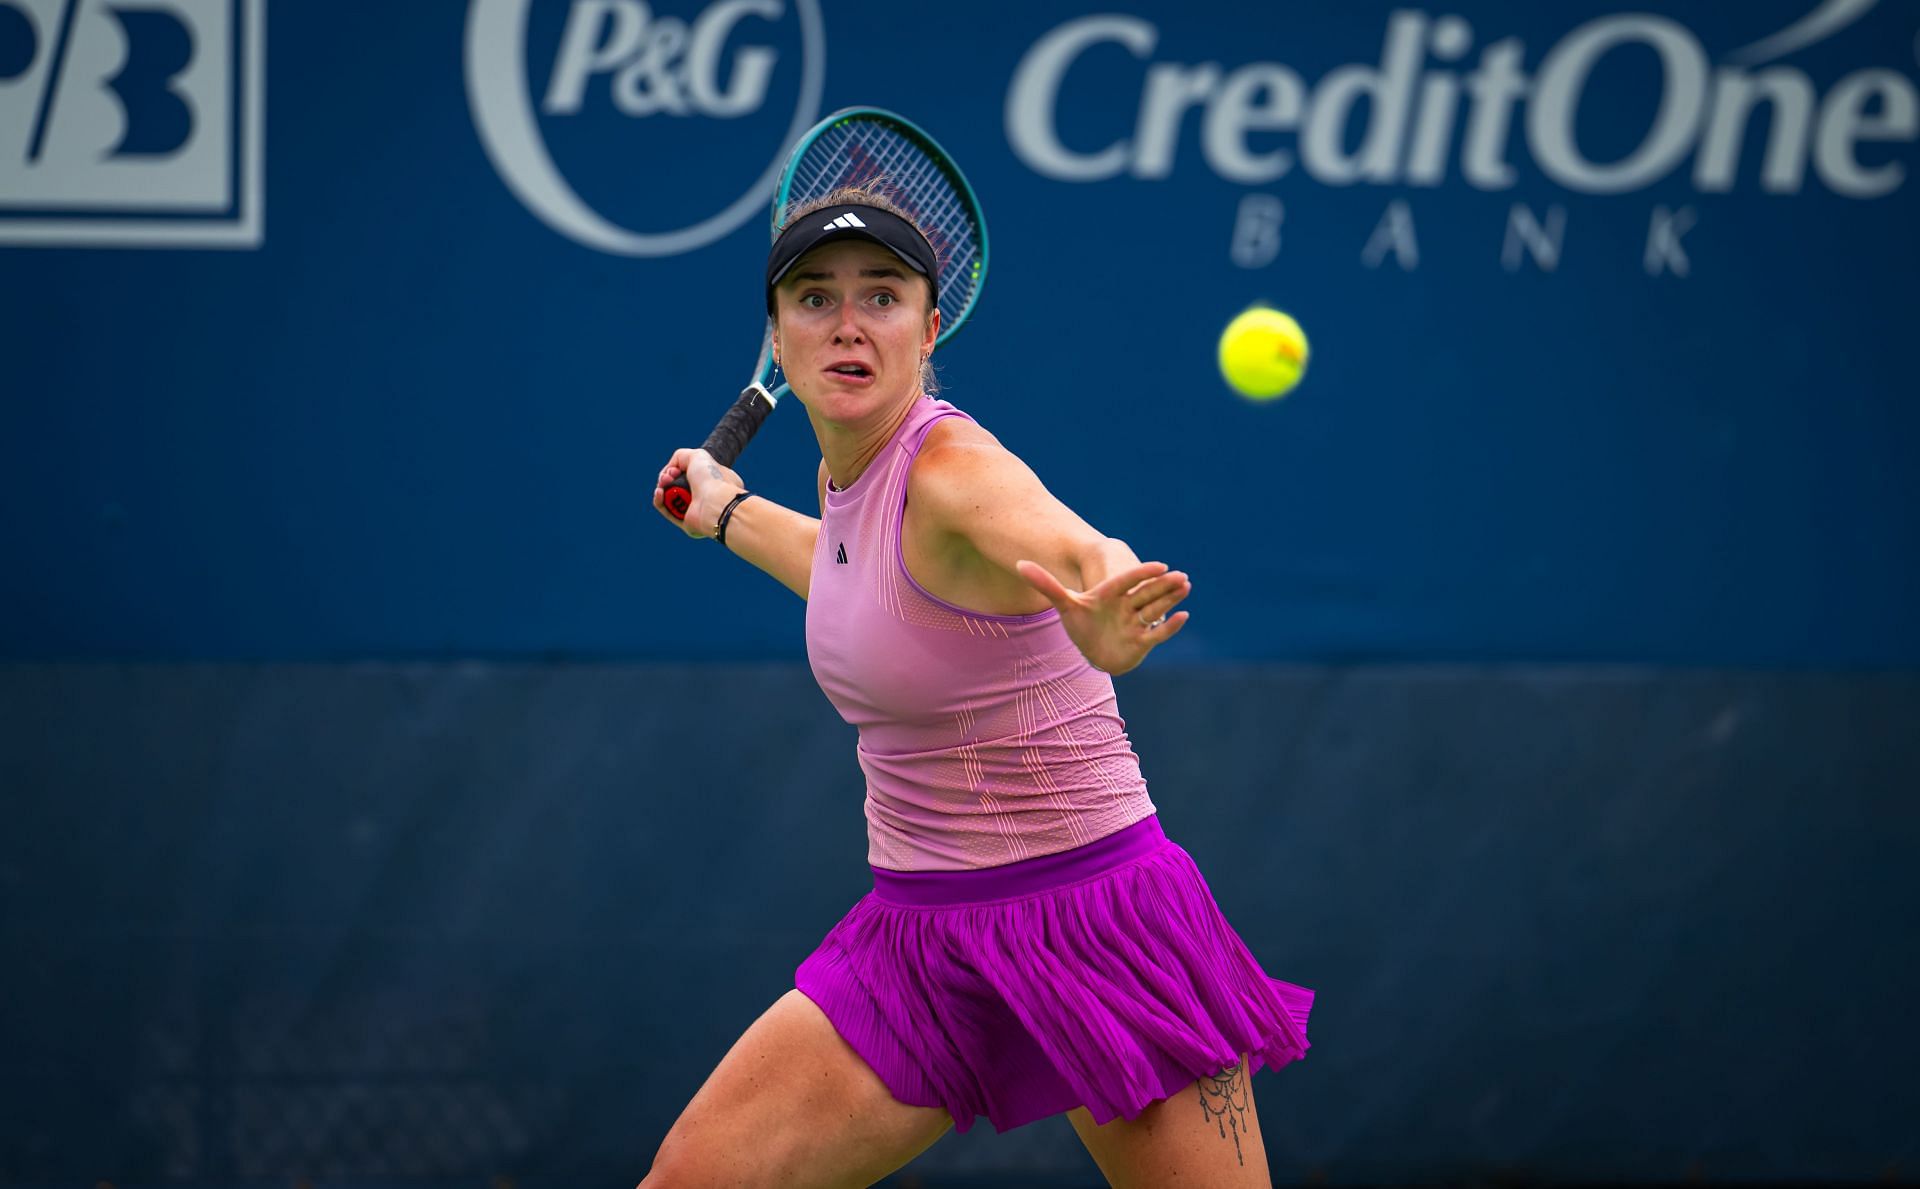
(1263, 353)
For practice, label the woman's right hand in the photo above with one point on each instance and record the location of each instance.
(711, 485)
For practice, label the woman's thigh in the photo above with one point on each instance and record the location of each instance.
(792, 1104)
(1207, 1134)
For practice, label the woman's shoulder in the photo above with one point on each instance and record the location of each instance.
(955, 447)
(959, 464)
(963, 432)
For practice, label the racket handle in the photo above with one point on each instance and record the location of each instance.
(726, 443)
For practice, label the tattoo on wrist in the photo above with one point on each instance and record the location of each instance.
(1224, 1098)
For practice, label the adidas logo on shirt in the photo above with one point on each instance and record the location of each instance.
(847, 220)
(842, 558)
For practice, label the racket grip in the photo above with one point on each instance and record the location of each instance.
(726, 443)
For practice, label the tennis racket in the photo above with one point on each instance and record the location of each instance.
(850, 148)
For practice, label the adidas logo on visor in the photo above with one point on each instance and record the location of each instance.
(848, 220)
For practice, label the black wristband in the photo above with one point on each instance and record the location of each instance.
(726, 514)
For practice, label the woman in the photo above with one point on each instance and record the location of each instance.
(1033, 944)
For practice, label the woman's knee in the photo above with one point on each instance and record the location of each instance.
(676, 1165)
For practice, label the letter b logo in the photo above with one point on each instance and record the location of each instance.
(145, 111)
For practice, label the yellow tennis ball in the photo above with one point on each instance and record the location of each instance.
(1262, 353)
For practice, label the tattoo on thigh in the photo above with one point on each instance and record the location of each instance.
(1224, 1099)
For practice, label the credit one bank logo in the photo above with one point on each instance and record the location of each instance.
(711, 65)
(134, 124)
(1426, 118)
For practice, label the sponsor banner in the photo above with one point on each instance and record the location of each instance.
(132, 125)
(1607, 306)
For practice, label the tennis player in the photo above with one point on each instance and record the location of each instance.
(1033, 944)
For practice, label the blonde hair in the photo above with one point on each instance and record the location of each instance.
(873, 193)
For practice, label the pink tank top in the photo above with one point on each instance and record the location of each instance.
(985, 739)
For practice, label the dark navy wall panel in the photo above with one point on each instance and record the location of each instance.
(460, 921)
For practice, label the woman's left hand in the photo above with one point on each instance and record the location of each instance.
(1122, 618)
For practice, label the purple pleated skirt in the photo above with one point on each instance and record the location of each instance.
(1103, 976)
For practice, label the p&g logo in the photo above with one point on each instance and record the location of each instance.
(135, 124)
(717, 64)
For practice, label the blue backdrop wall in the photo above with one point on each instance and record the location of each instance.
(1547, 706)
(1605, 371)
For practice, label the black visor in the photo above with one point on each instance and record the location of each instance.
(831, 223)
